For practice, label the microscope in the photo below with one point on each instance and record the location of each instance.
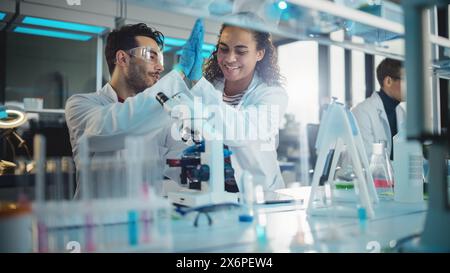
(205, 160)
(194, 170)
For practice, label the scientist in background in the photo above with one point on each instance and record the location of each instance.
(380, 115)
(126, 105)
(243, 74)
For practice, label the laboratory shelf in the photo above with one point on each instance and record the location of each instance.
(375, 29)
(312, 20)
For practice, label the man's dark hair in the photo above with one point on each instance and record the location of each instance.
(389, 68)
(124, 39)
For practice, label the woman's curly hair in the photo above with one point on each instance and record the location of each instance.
(267, 69)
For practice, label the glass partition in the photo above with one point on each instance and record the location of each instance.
(48, 68)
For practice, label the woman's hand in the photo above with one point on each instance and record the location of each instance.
(191, 59)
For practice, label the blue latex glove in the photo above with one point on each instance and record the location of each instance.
(190, 48)
(196, 71)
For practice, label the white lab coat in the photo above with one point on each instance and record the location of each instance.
(373, 122)
(259, 157)
(106, 122)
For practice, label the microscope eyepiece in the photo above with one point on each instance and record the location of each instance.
(161, 98)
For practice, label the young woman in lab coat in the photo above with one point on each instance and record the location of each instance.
(242, 79)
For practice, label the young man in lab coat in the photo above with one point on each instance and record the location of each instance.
(380, 115)
(126, 105)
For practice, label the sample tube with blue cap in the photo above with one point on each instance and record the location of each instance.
(362, 217)
(247, 198)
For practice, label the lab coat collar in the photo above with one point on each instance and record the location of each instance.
(378, 103)
(388, 101)
(108, 91)
(220, 85)
(400, 109)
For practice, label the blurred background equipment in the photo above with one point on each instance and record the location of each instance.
(9, 120)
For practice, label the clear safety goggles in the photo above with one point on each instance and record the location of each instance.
(147, 54)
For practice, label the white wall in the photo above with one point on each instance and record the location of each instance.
(299, 65)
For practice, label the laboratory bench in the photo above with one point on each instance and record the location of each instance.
(276, 228)
(288, 229)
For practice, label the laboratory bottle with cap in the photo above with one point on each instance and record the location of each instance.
(382, 172)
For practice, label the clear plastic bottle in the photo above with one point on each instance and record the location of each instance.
(408, 167)
(381, 170)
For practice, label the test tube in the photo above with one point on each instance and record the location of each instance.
(261, 231)
(58, 180)
(86, 194)
(247, 196)
(68, 169)
(84, 167)
(39, 157)
(362, 217)
(134, 147)
(135, 176)
(261, 224)
(115, 187)
(304, 154)
(102, 181)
